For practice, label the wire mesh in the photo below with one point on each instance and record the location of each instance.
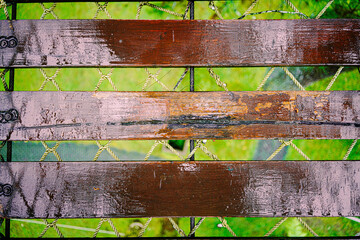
(219, 79)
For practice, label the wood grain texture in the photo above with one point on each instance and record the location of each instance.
(175, 43)
(181, 115)
(163, 189)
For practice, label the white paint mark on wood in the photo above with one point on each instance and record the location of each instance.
(189, 167)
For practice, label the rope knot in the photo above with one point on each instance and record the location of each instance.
(102, 148)
(51, 150)
(287, 143)
(211, 5)
(3, 5)
(50, 225)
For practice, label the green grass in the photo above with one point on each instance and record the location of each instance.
(257, 227)
(129, 227)
(244, 227)
(237, 79)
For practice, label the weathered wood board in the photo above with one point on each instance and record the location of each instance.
(163, 189)
(174, 43)
(180, 115)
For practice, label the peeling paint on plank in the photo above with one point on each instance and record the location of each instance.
(181, 115)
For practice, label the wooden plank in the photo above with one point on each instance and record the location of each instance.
(175, 43)
(179, 115)
(163, 189)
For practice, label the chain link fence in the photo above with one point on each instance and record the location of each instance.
(177, 79)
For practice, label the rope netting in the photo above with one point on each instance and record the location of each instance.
(153, 79)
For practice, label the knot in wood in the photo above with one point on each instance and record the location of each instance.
(8, 42)
(6, 190)
(9, 116)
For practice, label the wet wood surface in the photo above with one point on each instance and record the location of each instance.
(163, 189)
(174, 43)
(180, 115)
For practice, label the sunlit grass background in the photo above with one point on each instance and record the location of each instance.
(237, 79)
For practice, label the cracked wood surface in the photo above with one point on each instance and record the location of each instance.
(181, 115)
(175, 43)
(164, 189)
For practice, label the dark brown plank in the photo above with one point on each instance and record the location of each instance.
(162, 189)
(179, 115)
(52, 43)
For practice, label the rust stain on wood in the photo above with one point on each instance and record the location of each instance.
(246, 189)
(181, 115)
(173, 43)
